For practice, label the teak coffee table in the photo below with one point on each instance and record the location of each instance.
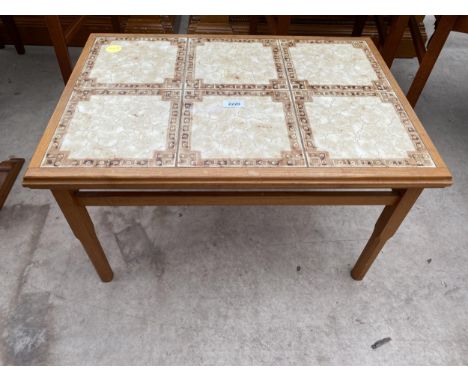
(235, 120)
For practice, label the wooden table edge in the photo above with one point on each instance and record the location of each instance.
(241, 178)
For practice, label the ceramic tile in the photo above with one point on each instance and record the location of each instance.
(135, 62)
(339, 64)
(229, 63)
(358, 131)
(260, 132)
(117, 128)
(233, 102)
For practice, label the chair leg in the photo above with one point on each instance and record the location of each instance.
(283, 23)
(381, 29)
(60, 45)
(358, 27)
(418, 41)
(253, 24)
(9, 171)
(393, 39)
(436, 44)
(2, 39)
(12, 30)
(116, 24)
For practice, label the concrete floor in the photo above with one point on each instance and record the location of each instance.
(222, 285)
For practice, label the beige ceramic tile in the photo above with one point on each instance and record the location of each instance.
(332, 63)
(135, 62)
(236, 108)
(125, 128)
(235, 64)
(260, 131)
(360, 131)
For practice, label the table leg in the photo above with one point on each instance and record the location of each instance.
(386, 226)
(83, 228)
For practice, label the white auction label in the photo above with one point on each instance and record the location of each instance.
(235, 103)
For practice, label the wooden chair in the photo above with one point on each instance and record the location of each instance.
(9, 171)
(389, 40)
(360, 23)
(427, 58)
(60, 39)
(12, 30)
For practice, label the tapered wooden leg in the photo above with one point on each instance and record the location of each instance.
(359, 24)
(60, 45)
(429, 59)
(418, 41)
(116, 24)
(83, 228)
(393, 39)
(386, 226)
(253, 24)
(12, 30)
(381, 29)
(283, 23)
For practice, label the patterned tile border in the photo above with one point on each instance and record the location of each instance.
(189, 158)
(57, 158)
(280, 83)
(381, 84)
(417, 158)
(85, 81)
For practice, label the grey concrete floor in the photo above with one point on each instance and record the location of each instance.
(221, 285)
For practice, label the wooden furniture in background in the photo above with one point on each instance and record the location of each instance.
(393, 39)
(33, 29)
(388, 43)
(279, 25)
(12, 31)
(61, 38)
(427, 58)
(360, 24)
(295, 171)
(9, 170)
(375, 27)
(389, 37)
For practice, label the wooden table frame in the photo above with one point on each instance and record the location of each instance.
(73, 204)
(76, 188)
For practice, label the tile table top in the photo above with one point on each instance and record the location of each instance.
(233, 102)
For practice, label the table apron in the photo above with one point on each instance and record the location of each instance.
(148, 198)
